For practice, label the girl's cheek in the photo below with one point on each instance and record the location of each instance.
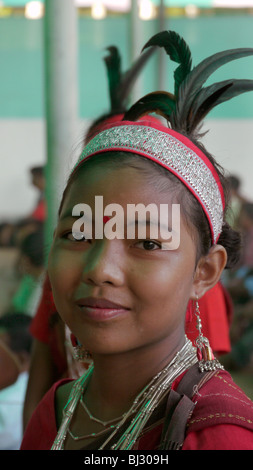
(65, 271)
(57, 268)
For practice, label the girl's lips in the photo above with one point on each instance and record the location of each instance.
(100, 309)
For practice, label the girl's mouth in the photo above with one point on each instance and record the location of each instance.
(100, 309)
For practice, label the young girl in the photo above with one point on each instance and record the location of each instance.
(125, 298)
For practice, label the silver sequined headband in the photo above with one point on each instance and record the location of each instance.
(172, 151)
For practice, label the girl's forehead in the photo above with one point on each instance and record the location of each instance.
(126, 184)
(122, 193)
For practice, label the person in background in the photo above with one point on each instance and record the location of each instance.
(236, 201)
(15, 342)
(38, 181)
(246, 224)
(12, 231)
(6, 234)
(48, 359)
(31, 266)
(240, 286)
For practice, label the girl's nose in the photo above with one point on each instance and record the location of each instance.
(104, 263)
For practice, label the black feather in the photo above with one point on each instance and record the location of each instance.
(191, 102)
(129, 77)
(207, 104)
(113, 67)
(161, 103)
(214, 95)
(197, 77)
(120, 84)
(178, 51)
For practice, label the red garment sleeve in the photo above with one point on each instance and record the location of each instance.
(41, 430)
(220, 437)
(40, 324)
(40, 212)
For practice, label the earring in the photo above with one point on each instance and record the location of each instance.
(79, 352)
(207, 361)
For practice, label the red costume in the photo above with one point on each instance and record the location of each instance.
(40, 211)
(222, 420)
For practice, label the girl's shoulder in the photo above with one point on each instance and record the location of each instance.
(42, 427)
(221, 401)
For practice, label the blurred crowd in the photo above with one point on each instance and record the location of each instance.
(22, 254)
(239, 283)
(22, 263)
(33, 356)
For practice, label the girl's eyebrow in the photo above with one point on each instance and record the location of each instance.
(163, 229)
(148, 222)
(72, 217)
(66, 215)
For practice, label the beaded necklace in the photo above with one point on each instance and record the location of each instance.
(140, 411)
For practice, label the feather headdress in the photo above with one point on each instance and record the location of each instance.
(121, 83)
(186, 108)
(173, 147)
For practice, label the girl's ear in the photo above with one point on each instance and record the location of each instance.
(208, 270)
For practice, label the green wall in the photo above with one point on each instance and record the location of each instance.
(21, 60)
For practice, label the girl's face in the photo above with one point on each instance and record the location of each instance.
(150, 286)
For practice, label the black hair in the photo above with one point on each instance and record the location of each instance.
(234, 182)
(17, 326)
(247, 208)
(229, 238)
(37, 170)
(91, 131)
(33, 247)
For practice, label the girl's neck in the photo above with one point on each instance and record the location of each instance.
(118, 379)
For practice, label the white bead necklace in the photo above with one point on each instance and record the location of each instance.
(140, 411)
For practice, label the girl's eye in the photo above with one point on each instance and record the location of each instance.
(74, 237)
(149, 245)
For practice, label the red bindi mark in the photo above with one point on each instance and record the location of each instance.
(105, 219)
